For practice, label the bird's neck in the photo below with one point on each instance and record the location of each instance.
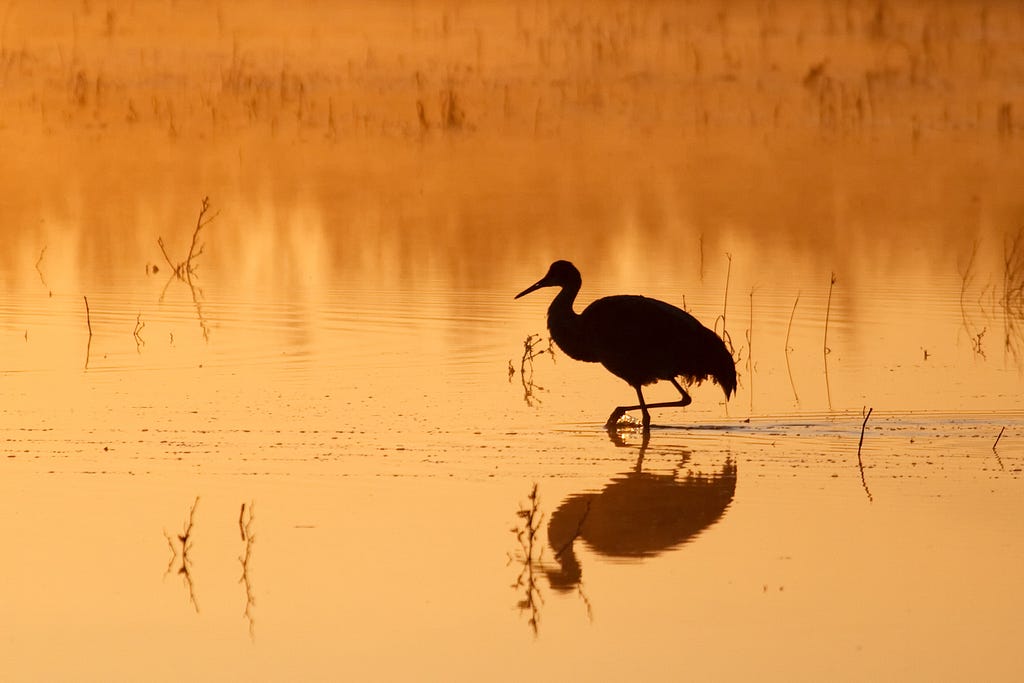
(564, 325)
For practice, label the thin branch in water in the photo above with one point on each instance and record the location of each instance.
(185, 537)
(88, 322)
(825, 350)
(185, 270)
(1012, 300)
(997, 438)
(529, 557)
(700, 249)
(245, 525)
(860, 463)
(531, 350)
(40, 270)
(88, 316)
(750, 350)
(137, 333)
(966, 278)
(725, 306)
(789, 329)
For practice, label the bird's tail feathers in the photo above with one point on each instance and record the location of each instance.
(723, 369)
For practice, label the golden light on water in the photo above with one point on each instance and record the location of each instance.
(387, 486)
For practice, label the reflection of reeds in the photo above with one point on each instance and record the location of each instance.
(789, 329)
(185, 270)
(825, 350)
(966, 278)
(137, 333)
(860, 463)
(725, 306)
(1012, 300)
(998, 437)
(528, 556)
(40, 270)
(750, 350)
(88, 322)
(245, 524)
(531, 350)
(185, 539)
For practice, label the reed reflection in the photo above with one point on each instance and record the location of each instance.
(638, 514)
(185, 568)
(185, 271)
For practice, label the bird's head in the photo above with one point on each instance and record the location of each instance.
(560, 274)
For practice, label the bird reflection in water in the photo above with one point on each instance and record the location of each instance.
(637, 515)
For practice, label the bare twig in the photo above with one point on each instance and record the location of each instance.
(184, 270)
(825, 350)
(725, 306)
(966, 277)
(997, 438)
(789, 329)
(529, 557)
(40, 270)
(88, 341)
(860, 463)
(137, 333)
(88, 317)
(186, 564)
(531, 350)
(245, 526)
(750, 350)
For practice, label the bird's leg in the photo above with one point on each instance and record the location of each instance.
(685, 400)
(643, 408)
(617, 414)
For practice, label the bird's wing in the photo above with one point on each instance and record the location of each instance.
(643, 339)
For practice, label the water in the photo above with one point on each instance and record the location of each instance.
(335, 396)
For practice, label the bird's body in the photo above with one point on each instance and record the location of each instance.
(636, 338)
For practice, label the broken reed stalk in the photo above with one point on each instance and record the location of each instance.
(750, 349)
(789, 329)
(88, 318)
(828, 310)
(725, 305)
(862, 428)
(997, 439)
(725, 301)
(824, 344)
(860, 462)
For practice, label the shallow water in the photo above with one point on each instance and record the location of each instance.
(336, 396)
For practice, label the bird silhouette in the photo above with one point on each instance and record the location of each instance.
(636, 338)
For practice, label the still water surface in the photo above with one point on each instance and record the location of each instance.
(334, 407)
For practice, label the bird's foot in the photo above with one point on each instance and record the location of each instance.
(613, 419)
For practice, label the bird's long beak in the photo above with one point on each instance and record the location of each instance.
(537, 285)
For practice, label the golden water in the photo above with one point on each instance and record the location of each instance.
(338, 380)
